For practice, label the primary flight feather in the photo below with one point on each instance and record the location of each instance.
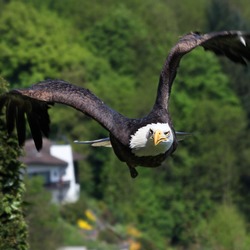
(144, 141)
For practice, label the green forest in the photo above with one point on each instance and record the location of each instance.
(197, 199)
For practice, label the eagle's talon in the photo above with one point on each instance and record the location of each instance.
(133, 172)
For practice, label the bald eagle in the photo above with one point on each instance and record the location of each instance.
(145, 141)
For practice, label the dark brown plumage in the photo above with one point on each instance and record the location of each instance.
(142, 141)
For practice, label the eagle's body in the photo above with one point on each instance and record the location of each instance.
(145, 141)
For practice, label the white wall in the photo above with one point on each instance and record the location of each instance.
(64, 152)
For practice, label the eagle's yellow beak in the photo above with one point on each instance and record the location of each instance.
(159, 136)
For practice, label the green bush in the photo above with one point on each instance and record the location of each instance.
(226, 229)
(13, 229)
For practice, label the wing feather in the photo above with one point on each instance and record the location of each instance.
(10, 117)
(234, 45)
(21, 126)
(105, 142)
(36, 100)
(35, 129)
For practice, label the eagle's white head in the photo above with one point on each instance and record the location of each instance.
(152, 139)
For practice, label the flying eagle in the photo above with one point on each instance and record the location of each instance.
(144, 141)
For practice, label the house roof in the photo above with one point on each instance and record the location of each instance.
(43, 157)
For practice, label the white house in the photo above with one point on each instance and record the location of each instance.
(57, 165)
(70, 176)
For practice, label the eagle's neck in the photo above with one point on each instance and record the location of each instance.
(142, 145)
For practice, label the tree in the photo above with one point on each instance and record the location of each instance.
(35, 45)
(227, 14)
(131, 40)
(218, 232)
(13, 229)
(42, 217)
(120, 38)
(193, 11)
(223, 15)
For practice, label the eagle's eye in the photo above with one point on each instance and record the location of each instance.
(167, 133)
(150, 133)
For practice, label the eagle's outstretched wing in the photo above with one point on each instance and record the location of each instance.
(34, 103)
(233, 44)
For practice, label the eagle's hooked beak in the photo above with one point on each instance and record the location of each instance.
(159, 136)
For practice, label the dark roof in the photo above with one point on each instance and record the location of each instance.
(43, 157)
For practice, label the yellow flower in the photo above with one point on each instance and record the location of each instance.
(133, 231)
(90, 215)
(135, 245)
(84, 224)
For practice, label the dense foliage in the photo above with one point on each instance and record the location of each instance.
(13, 229)
(198, 199)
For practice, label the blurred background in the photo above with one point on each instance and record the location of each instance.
(199, 198)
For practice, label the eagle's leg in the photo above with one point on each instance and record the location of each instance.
(133, 172)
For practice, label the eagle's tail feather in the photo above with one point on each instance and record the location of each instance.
(105, 142)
